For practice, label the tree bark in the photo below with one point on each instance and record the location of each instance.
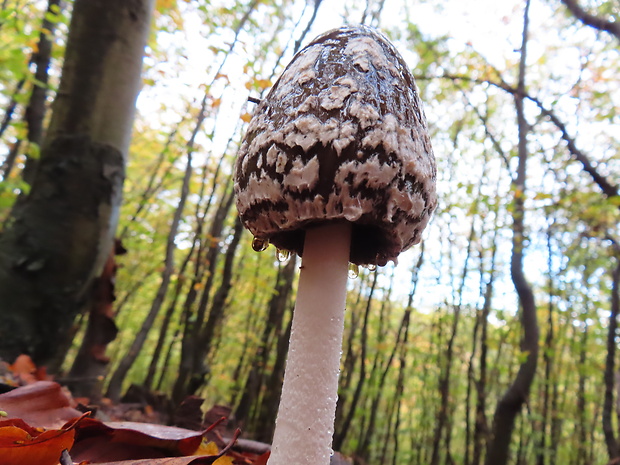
(57, 239)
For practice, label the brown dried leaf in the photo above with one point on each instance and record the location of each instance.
(41, 404)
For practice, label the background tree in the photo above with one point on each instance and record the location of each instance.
(57, 238)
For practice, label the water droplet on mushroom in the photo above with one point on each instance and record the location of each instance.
(354, 271)
(282, 255)
(258, 244)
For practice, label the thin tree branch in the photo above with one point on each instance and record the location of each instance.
(317, 4)
(10, 110)
(608, 188)
(602, 24)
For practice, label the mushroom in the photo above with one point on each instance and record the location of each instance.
(336, 166)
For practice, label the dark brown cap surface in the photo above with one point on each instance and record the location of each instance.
(340, 137)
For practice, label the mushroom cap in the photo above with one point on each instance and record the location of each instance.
(341, 136)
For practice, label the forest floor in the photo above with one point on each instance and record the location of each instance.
(40, 419)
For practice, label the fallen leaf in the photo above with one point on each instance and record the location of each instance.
(21, 444)
(41, 404)
(262, 460)
(99, 442)
(44, 449)
(224, 460)
(207, 448)
(210, 460)
(26, 371)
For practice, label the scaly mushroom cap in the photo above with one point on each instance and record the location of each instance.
(341, 136)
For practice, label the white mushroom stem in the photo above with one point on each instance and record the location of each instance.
(305, 422)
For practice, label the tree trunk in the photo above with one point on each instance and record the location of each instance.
(341, 434)
(117, 379)
(272, 330)
(91, 362)
(582, 424)
(273, 386)
(443, 420)
(193, 325)
(35, 111)
(363, 449)
(205, 342)
(509, 406)
(149, 380)
(380, 369)
(350, 358)
(543, 451)
(57, 239)
(608, 403)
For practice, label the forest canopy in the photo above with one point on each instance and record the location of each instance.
(501, 324)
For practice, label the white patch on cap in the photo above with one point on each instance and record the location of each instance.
(365, 49)
(365, 114)
(303, 63)
(260, 189)
(308, 105)
(329, 131)
(308, 124)
(334, 97)
(347, 81)
(306, 76)
(305, 141)
(374, 172)
(272, 155)
(386, 134)
(347, 134)
(302, 176)
(281, 162)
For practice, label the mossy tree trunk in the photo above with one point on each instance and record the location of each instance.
(58, 237)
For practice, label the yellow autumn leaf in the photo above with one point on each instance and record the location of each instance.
(164, 5)
(246, 117)
(207, 448)
(224, 460)
(34, 45)
(263, 83)
(210, 448)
